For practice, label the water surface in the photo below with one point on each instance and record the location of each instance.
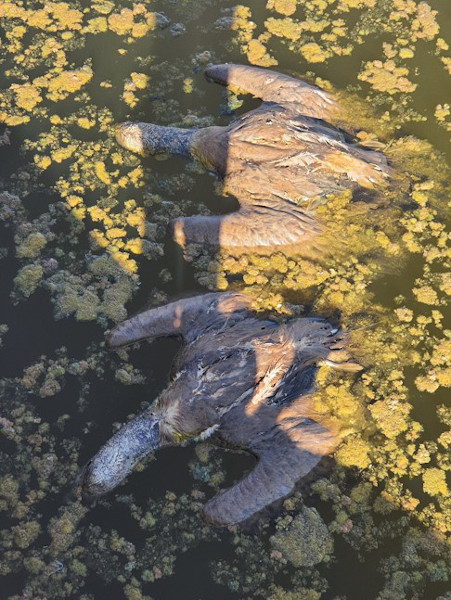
(69, 271)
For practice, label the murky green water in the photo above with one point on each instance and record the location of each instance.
(83, 242)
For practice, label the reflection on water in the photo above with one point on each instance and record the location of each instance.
(83, 242)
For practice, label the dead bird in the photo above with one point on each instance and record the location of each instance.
(274, 160)
(240, 381)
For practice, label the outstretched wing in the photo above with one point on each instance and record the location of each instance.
(187, 317)
(262, 225)
(274, 87)
(288, 453)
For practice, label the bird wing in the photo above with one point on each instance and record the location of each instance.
(274, 87)
(187, 317)
(259, 225)
(288, 453)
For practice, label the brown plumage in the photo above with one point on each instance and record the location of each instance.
(274, 160)
(241, 381)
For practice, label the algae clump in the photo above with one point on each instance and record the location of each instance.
(303, 540)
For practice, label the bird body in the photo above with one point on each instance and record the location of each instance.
(240, 381)
(274, 160)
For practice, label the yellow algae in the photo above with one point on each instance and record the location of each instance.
(434, 482)
(63, 153)
(136, 176)
(50, 46)
(122, 182)
(391, 416)
(441, 353)
(136, 218)
(258, 55)
(13, 120)
(65, 16)
(445, 439)
(97, 25)
(387, 77)
(43, 162)
(99, 238)
(140, 80)
(284, 28)
(27, 96)
(104, 7)
(242, 24)
(426, 294)
(121, 23)
(347, 4)
(15, 45)
(11, 10)
(313, 53)
(67, 82)
(444, 377)
(98, 214)
(425, 26)
(38, 18)
(115, 232)
(442, 111)
(85, 123)
(441, 44)
(124, 261)
(283, 7)
(139, 30)
(339, 28)
(73, 200)
(406, 53)
(354, 453)
(314, 25)
(404, 314)
(102, 173)
(403, 8)
(79, 212)
(135, 246)
(129, 98)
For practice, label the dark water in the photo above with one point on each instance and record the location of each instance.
(185, 557)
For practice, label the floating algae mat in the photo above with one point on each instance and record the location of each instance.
(84, 244)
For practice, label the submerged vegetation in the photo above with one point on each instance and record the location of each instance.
(84, 223)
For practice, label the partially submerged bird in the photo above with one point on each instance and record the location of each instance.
(242, 382)
(274, 160)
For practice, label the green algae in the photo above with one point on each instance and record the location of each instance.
(305, 540)
(28, 279)
(25, 533)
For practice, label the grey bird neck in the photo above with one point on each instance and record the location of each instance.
(173, 140)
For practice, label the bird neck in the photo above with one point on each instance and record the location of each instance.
(147, 138)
